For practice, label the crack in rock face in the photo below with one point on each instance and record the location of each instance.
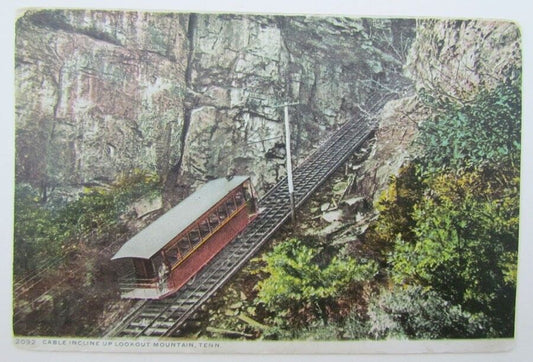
(192, 96)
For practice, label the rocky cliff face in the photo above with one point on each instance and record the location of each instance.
(188, 95)
(456, 58)
(450, 59)
(97, 93)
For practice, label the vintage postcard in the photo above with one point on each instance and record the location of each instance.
(191, 182)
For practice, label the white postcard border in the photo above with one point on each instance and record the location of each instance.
(151, 345)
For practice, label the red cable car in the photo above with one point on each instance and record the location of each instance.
(171, 250)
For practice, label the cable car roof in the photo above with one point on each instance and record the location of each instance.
(159, 233)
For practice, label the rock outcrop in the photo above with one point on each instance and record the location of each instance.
(450, 59)
(97, 93)
(456, 58)
(194, 95)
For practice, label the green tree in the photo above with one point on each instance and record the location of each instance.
(395, 207)
(412, 312)
(35, 232)
(301, 285)
(451, 218)
(46, 232)
(465, 246)
(483, 132)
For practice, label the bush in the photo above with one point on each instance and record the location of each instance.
(450, 219)
(46, 232)
(301, 288)
(465, 245)
(37, 235)
(415, 313)
(483, 133)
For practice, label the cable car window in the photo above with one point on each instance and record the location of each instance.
(222, 212)
(214, 219)
(204, 228)
(172, 255)
(194, 236)
(230, 205)
(183, 247)
(247, 191)
(239, 197)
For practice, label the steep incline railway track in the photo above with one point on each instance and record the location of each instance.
(164, 318)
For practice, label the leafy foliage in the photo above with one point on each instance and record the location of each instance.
(413, 312)
(395, 207)
(451, 221)
(447, 236)
(98, 208)
(466, 236)
(483, 132)
(36, 231)
(47, 232)
(300, 286)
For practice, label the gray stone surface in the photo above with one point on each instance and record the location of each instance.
(102, 92)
